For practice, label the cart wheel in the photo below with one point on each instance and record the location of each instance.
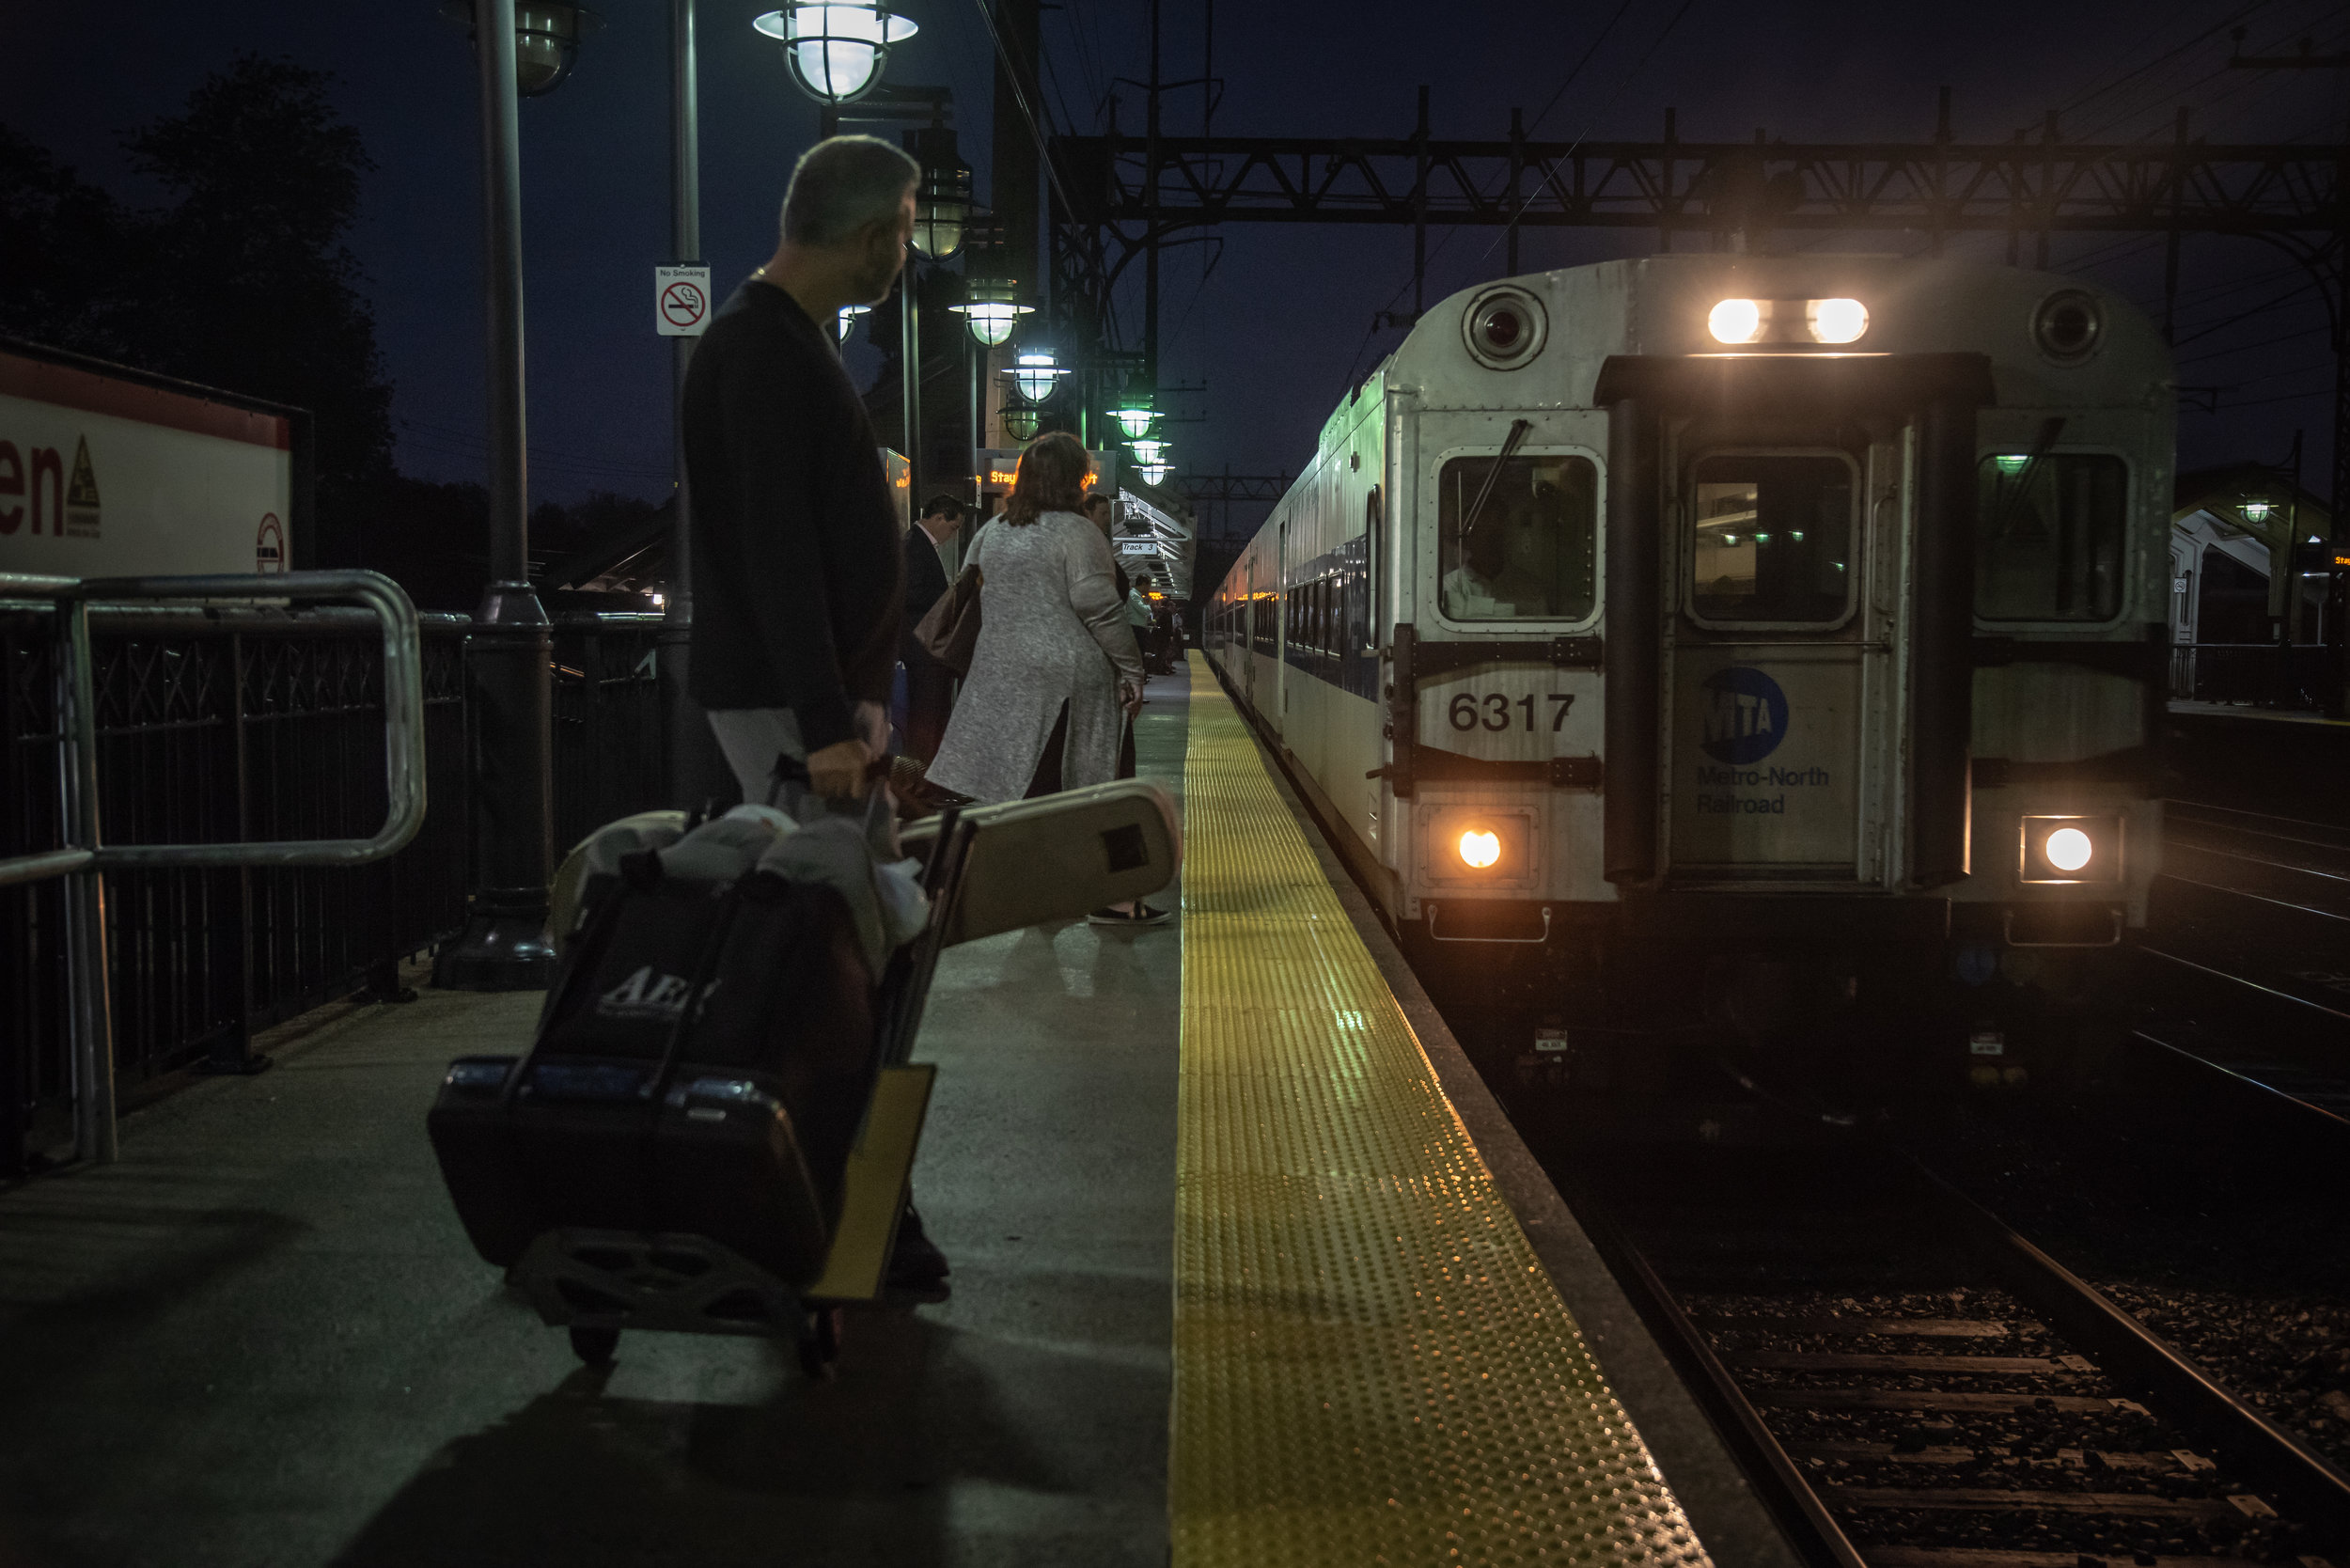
(821, 1345)
(594, 1346)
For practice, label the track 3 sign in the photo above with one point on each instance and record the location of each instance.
(680, 300)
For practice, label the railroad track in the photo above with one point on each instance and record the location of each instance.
(2246, 961)
(1914, 1385)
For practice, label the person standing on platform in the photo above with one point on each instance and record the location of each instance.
(929, 685)
(797, 596)
(1055, 657)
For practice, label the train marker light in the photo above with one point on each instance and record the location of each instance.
(1836, 321)
(2068, 848)
(1735, 322)
(1480, 850)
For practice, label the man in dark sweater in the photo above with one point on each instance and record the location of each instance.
(929, 685)
(796, 564)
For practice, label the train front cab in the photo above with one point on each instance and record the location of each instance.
(1879, 713)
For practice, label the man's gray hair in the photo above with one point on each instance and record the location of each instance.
(843, 185)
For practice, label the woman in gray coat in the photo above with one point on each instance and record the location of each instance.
(1052, 632)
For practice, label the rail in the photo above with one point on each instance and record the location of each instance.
(84, 860)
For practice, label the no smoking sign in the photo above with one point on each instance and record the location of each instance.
(681, 298)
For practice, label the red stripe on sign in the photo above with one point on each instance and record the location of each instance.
(67, 386)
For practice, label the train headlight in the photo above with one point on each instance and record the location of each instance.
(1479, 847)
(2067, 849)
(1836, 321)
(1735, 322)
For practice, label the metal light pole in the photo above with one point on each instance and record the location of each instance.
(695, 770)
(504, 944)
(910, 363)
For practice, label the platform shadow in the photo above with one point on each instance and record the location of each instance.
(862, 1469)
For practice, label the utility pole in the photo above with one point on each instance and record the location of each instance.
(504, 944)
(1150, 241)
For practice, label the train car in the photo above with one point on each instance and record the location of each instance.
(1725, 649)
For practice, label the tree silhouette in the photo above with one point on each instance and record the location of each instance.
(244, 282)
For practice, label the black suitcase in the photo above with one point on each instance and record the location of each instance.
(702, 1068)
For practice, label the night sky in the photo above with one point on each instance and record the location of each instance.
(1275, 333)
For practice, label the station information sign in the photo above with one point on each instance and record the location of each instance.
(998, 466)
(107, 475)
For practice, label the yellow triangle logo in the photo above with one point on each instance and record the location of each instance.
(81, 490)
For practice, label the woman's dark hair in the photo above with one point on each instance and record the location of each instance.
(1052, 478)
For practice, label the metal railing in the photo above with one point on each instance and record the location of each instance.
(85, 859)
(2270, 675)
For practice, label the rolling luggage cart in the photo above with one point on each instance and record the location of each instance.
(987, 869)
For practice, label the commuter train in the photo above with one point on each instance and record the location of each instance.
(1766, 650)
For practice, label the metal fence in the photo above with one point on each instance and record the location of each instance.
(229, 726)
(2265, 674)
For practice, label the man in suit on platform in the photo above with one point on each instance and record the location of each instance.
(929, 685)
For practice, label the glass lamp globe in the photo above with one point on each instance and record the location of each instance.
(991, 308)
(942, 201)
(1148, 449)
(1035, 375)
(1134, 413)
(849, 313)
(1019, 423)
(1153, 472)
(546, 40)
(835, 53)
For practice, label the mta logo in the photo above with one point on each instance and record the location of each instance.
(1746, 714)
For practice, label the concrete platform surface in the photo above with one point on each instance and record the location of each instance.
(261, 1340)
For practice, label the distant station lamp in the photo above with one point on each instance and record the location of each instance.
(1020, 423)
(942, 202)
(546, 40)
(2257, 512)
(849, 313)
(1134, 413)
(1036, 374)
(991, 307)
(1153, 472)
(1148, 449)
(835, 53)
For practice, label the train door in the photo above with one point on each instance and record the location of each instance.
(1781, 679)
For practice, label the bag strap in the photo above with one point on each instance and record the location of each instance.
(639, 870)
(704, 973)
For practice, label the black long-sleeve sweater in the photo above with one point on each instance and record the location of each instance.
(796, 564)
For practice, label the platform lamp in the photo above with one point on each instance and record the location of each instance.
(835, 53)
(1148, 449)
(942, 201)
(546, 40)
(1134, 412)
(847, 319)
(1035, 372)
(1020, 421)
(519, 49)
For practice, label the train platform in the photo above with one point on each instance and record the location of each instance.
(1249, 1268)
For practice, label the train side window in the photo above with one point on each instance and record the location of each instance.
(2049, 537)
(1371, 568)
(1531, 555)
(1772, 538)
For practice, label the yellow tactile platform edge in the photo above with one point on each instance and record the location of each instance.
(1370, 1364)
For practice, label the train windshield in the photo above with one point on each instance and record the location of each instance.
(1527, 553)
(2049, 531)
(1774, 540)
